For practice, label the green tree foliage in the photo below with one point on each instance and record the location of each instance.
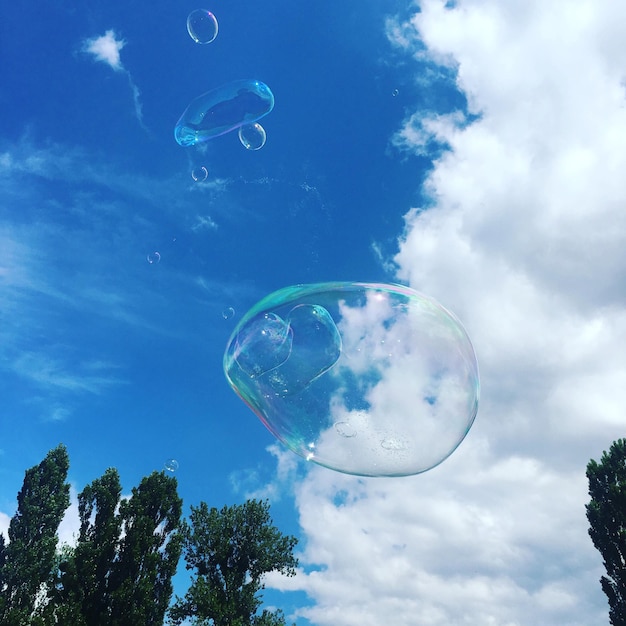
(148, 553)
(606, 513)
(28, 562)
(118, 573)
(127, 551)
(230, 550)
(85, 593)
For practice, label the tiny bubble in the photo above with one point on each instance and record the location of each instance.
(345, 429)
(200, 174)
(171, 465)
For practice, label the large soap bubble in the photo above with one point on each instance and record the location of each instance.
(221, 110)
(366, 379)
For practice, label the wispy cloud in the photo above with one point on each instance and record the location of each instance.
(54, 373)
(106, 49)
(203, 222)
(83, 259)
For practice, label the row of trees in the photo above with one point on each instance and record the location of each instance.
(119, 572)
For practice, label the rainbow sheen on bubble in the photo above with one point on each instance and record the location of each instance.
(217, 112)
(362, 378)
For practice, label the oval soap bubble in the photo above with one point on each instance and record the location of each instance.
(202, 26)
(252, 136)
(366, 379)
(216, 112)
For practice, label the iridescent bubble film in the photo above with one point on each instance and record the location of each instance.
(367, 379)
(221, 110)
(202, 26)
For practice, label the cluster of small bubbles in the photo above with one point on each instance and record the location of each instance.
(200, 174)
(394, 93)
(252, 136)
(228, 313)
(153, 258)
(393, 443)
(171, 465)
(316, 364)
(202, 26)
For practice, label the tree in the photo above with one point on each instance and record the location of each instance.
(148, 554)
(85, 593)
(127, 551)
(606, 513)
(28, 562)
(231, 550)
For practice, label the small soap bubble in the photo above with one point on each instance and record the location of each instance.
(202, 26)
(199, 174)
(392, 443)
(223, 109)
(252, 136)
(366, 379)
(171, 465)
(154, 257)
(228, 313)
(345, 429)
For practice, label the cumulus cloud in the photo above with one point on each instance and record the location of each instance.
(522, 234)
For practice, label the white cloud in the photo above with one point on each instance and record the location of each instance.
(5, 520)
(523, 236)
(69, 527)
(252, 485)
(203, 222)
(106, 49)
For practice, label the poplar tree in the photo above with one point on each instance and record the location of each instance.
(230, 551)
(606, 513)
(28, 562)
(148, 554)
(85, 590)
(127, 551)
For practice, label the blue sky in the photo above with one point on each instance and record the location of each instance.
(492, 181)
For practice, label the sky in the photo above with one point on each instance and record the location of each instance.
(472, 150)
